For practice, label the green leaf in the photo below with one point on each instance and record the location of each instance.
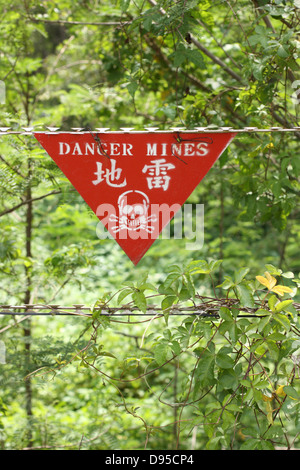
(124, 4)
(223, 360)
(288, 275)
(174, 268)
(129, 284)
(251, 444)
(176, 348)
(272, 348)
(107, 354)
(190, 286)
(204, 374)
(272, 302)
(282, 320)
(124, 293)
(29, 65)
(147, 286)
(196, 57)
(179, 56)
(239, 275)
(184, 293)
(168, 301)
(266, 445)
(245, 295)
(164, 290)
(198, 267)
(291, 392)
(282, 305)
(233, 332)
(132, 88)
(282, 52)
(227, 284)
(246, 383)
(272, 270)
(214, 264)
(225, 314)
(171, 278)
(254, 39)
(264, 321)
(161, 352)
(140, 300)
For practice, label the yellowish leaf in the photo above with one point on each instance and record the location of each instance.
(281, 290)
(270, 417)
(241, 435)
(266, 398)
(268, 281)
(280, 392)
(263, 281)
(271, 279)
(269, 413)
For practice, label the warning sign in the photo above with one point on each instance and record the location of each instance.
(135, 182)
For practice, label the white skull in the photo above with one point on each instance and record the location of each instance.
(133, 209)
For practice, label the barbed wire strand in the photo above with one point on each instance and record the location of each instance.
(124, 130)
(209, 309)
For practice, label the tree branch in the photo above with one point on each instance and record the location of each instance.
(11, 167)
(216, 60)
(205, 51)
(83, 23)
(265, 16)
(29, 201)
(152, 43)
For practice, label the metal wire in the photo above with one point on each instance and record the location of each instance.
(81, 310)
(126, 130)
(208, 309)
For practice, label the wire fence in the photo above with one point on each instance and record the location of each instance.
(208, 308)
(80, 130)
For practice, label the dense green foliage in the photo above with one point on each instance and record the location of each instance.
(229, 380)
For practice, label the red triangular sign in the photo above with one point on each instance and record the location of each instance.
(135, 182)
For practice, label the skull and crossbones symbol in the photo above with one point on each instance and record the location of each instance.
(133, 213)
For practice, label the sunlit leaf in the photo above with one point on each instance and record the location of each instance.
(281, 290)
(268, 281)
